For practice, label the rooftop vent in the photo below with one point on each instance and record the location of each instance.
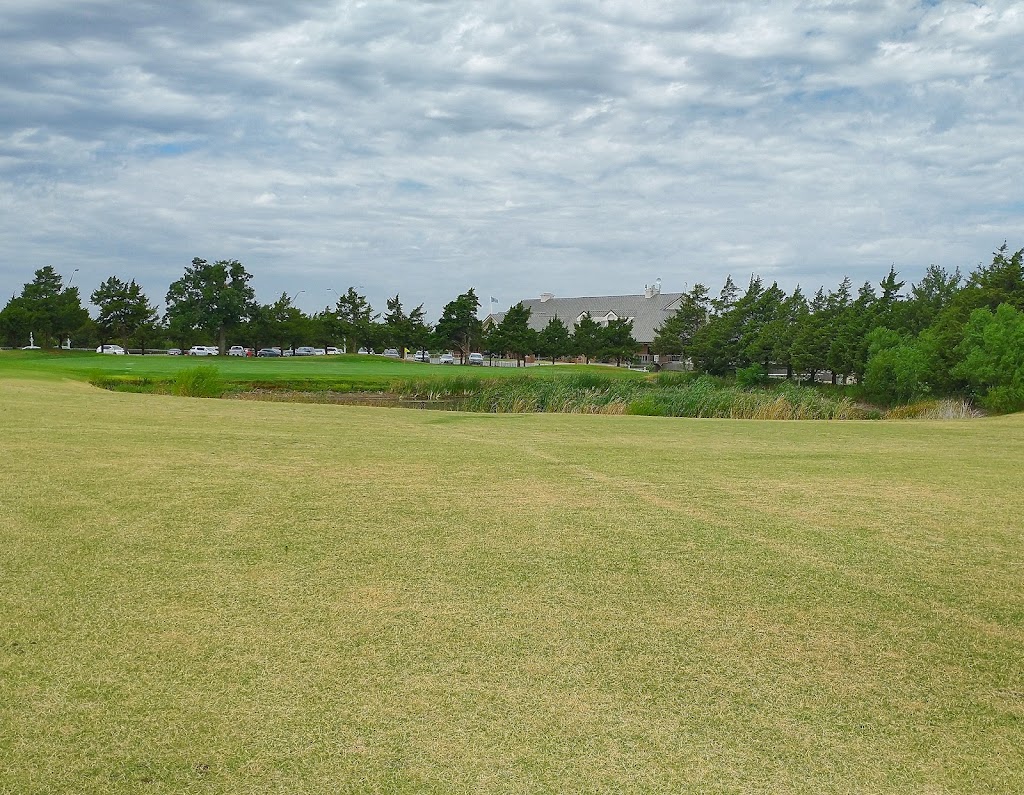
(545, 297)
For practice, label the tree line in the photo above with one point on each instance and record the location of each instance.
(949, 334)
(215, 300)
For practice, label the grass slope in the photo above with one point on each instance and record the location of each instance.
(226, 597)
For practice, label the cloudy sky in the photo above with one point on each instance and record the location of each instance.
(570, 146)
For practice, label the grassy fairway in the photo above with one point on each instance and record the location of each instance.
(370, 372)
(225, 597)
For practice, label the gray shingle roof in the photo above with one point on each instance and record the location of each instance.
(647, 313)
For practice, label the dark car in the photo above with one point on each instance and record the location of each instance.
(266, 353)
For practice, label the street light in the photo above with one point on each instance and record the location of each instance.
(67, 343)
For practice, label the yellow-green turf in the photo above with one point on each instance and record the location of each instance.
(210, 596)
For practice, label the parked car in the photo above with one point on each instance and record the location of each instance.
(476, 359)
(268, 353)
(174, 351)
(319, 352)
(362, 352)
(203, 350)
(446, 358)
(421, 356)
(115, 350)
(236, 350)
(304, 350)
(332, 351)
(391, 353)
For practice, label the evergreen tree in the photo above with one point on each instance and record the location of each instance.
(888, 310)
(459, 326)
(514, 335)
(726, 298)
(587, 338)
(718, 345)
(45, 312)
(675, 335)
(929, 297)
(215, 298)
(288, 325)
(123, 310)
(809, 350)
(847, 352)
(762, 327)
(356, 320)
(617, 341)
(554, 341)
(421, 333)
(784, 327)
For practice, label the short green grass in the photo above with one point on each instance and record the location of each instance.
(227, 597)
(369, 372)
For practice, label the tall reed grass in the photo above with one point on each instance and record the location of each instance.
(201, 381)
(934, 410)
(678, 395)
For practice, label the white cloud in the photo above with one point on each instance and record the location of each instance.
(573, 146)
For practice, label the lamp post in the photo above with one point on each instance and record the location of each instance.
(292, 300)
(67, 342)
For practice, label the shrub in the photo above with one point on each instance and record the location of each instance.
(897, 374)
(202, 381)
(1004, 399)
(993, 357)
(755, 375)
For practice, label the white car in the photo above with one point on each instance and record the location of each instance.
(477, 359)
(203, 350)
(392, 353)
(333, 352)
(421, 356)
(446, 358)
(319, 352)
(116, 350)
(236, 350)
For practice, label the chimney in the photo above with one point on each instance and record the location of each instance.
(545, 297)
(648, 291)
